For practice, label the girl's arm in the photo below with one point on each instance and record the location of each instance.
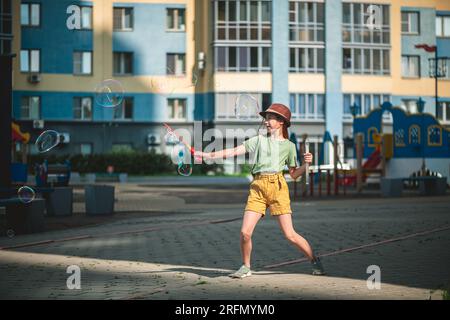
(226, 153)
(297, 172)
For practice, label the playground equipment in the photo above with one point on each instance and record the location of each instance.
(330, 174)
(19, 168)
(371, 166)
(417, 140)
(54, 175)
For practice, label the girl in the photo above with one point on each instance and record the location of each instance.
(269, 188)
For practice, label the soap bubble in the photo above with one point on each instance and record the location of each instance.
(26, 194)
(185, 169)
(47, 140)
(246, 107)
(109, 93)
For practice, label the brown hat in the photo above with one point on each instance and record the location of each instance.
(279, 109)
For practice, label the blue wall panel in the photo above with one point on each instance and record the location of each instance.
(149, 39)
(148, 107)
(56, 41)
(425, 36)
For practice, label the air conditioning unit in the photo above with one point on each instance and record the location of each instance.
(64, 137)
(201, 60)
(153, 139)
(34, 78)
(38, 124)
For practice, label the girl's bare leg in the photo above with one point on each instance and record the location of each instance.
(248, 225)
(285, 222)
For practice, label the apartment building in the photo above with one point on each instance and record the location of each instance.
(182, 61)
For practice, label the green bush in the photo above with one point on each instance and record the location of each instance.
(246, 168)
(133, 163)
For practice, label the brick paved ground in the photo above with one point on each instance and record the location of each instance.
(181, 242)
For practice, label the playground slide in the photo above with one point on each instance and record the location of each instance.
(371, 163)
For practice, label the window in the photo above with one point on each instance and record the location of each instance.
(245, 59)
(124, 111)
(123, 19)
(410, 23)
(443, 26)
(30, 108)
(243, 20)
(176, 20)
(399, 138)
(347, 104)
(366, 61)
(176, 109)
(308, 106)
(365, 102)
(307, 60)
(82, 108)
(410, 66)
(243, 35)
(86, 149)
(176, 64)
(30, 14)
(5, 46)
(306, 21)
(365, 50)
(443, 111)
(443, 67)
(355, 30)
(349, 148)
(5, 7)
(306, 37)
(225, 103)
(434, 136)
(86, 18)
(30, 60)
(123, 63)
(5, 27)
(82, 62)
(414, 135)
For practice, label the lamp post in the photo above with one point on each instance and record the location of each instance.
(355, 109)
(433, 69)
(420, 107)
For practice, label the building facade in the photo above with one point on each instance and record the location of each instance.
(182, 61)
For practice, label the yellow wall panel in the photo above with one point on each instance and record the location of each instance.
(243, 82)
(308, 83)
(362, 84)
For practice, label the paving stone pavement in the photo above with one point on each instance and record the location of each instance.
(188, 253)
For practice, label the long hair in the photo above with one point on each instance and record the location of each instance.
(285, 131)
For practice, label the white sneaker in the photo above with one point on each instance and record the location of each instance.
(243, 272)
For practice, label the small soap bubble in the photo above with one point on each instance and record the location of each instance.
(109, 93)
(246, 107)
(26, 194)
(10, 233)
(185, 169)
(47, 140)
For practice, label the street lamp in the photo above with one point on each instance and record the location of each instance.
(420, 108)
(355, 109)
(420, 105)
(436, 69)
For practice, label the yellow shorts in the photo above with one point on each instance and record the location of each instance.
(269, 191)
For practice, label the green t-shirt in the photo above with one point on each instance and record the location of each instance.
(272, 155)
